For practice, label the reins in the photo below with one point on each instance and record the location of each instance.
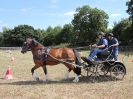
(63, 61)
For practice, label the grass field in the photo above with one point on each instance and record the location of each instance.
(24, 87)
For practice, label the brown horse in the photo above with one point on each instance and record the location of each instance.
(43, 56)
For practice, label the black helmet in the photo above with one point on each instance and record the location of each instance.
(110, 34)
(101, 33)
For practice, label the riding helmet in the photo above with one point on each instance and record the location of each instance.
(110, 34)
(101, 33)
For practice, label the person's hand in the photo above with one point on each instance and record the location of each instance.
(111, 46)
(90, 47)
(94, 45)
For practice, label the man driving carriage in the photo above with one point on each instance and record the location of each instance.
(104, 45)
(99, 47)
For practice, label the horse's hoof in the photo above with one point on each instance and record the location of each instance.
(66, 78)
(37, 79)
(76, 80)
(45, 81)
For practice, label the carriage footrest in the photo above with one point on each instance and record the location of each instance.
(87, 60)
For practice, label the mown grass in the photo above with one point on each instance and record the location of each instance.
(24, 87)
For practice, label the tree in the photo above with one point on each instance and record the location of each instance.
(56, 31)
(66, 34)
(7, 37)
(50, 36)
(130, 9)
(127, 35)
(120, 27)
(16, 36)
(1, 39)
(87, 22)
(49, 29)
(39, 35)
(123, 31)
(5, 29)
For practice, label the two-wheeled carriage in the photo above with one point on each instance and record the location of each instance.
(103, 66)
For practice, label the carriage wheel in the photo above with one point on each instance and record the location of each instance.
(117, 72)
(101, 69)
(105, 70)
(87, 70)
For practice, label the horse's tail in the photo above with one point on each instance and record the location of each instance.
(77, 70)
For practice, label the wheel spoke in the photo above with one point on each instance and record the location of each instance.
(117, 72)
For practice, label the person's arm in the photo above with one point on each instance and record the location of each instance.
(101, 46)
(105, 43)
(116, 43)
(94, 45)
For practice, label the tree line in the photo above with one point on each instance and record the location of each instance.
(87, 22)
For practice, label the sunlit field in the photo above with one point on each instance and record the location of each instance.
(23, 86)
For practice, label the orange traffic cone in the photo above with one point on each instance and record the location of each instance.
(8, 74)
(131, 60)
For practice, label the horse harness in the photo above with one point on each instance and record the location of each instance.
(41, 54)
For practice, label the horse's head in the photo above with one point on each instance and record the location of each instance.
(28, 43)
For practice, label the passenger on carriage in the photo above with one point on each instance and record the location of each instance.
(113, 45)
(99, 47)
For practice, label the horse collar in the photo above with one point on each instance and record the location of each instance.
(41, 54)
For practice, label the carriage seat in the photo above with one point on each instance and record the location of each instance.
(103, 55)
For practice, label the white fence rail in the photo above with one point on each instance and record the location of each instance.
(10, 48)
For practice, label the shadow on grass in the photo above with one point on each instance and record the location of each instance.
(1, 78)
(83, 79)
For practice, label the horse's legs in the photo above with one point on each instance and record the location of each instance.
(76, 79)
(77, 72)
(67, 74)
(45, 71)
(34, 73)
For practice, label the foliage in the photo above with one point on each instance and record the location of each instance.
(130, 9)
(1, 39)
(87, 22)
(127, 36)
(39, 35)
(121, 29)
(51, 34)
(16, 36)
(65, 35)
